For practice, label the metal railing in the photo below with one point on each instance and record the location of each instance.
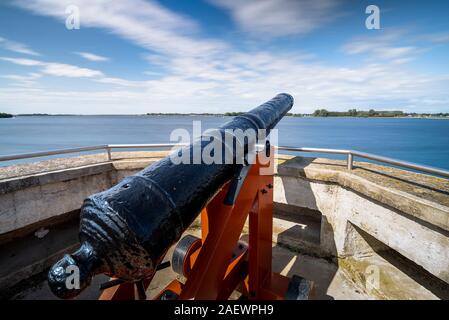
(353, 153)
(349, 153)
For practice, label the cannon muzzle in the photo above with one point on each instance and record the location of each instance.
(73, 273)
(126, 231)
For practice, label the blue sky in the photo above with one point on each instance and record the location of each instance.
(138, 56)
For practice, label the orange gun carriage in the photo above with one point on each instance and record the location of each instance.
(219, 263)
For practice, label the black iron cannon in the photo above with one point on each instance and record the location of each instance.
(126, 231)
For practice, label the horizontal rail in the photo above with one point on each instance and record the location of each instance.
(404, 164)
(316, 150)
(151, 145)
(50, 153)
(392, 161)
(350, 155)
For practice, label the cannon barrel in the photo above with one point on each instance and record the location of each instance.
(126, 231)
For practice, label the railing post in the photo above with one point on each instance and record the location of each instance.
(108, 149)
(349, 161)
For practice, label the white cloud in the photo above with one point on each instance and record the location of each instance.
(22, 61)
(17, 47)
(312, 85)
(23, 80)
(122, 82)
(56, 69)
(20, 77)
(146, 23)
(92, 57)
(439, 38)
(212, 76)
(66, 70)
(384, 47)
(375, 49)
(279, 17)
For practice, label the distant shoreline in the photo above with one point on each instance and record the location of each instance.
(5, 115)
(225, 115)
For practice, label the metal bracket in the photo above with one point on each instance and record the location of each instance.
(235, 185)
(237, 182)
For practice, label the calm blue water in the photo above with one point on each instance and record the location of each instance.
(422, 141)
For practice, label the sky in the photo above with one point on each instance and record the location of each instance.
(143, 56)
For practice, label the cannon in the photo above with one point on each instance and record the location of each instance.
(126, 231)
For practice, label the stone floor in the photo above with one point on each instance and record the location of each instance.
(329, 281)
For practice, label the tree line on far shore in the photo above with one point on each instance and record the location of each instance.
(358, 113)
(5, 115)
(373, 113)
(316, 113)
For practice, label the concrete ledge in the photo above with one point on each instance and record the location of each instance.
(45, 196)
(45, 166)
(40, 179)
(406, 211)
(50, 188)
(422, 196)
(382, 202)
